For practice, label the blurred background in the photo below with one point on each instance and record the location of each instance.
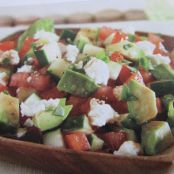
(19, 12)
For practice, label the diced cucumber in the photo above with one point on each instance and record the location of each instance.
(156, 136)
(171, 113)
(77, 124)
(48, 53)
(32, 98)
(58, 66)
(54, 138)
(68, 35)
(92, 50)
(77, 84)
(162, 87)
(95, 142)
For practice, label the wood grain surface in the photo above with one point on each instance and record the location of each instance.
(66, 161)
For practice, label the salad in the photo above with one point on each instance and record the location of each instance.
(98, 89)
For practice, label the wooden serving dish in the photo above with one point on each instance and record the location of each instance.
(65, 161)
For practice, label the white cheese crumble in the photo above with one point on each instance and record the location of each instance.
(128, 148)
(146, 46)
(97, 70)
(158, 59)
(71, 53)
(52, 51)
(28, 122)
(34, 107)
(11, 56)
(3, 78)
(25, 68)
(48, 36)
(100, 113)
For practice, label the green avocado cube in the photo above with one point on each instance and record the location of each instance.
(77, 84)
(156, 136)
(9, 110)
(95, 142)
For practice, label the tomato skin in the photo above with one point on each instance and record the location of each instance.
(125, 74)
(147, 76)
(53, 93)
(26, 46)
(36, 81)
(7, 45)
(116, 57)
(105, 93)
(105, 32)
(19, 79)
(77, 141)
(114, 139)
(3, 88)
(40, 82)
(159, 105)
(120, 106)
(118, 37)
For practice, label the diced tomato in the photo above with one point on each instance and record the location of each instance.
(19, 79)
(3, 88)
(147, 76)
(120, 106)
(114, 139)
(111, 83)
(125, 74)
(76, 102)
(35, 80)
(159, 105)
(53, 93)
(7, 45)
(136, 76)
(118, 37)
(85, 107)
(26, 46)
(105, 32)
(40, 82)
(116, 57)
(77, 141)
(105, 93)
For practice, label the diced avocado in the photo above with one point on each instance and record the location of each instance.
(58, 66)
(68, 35)
(145, 63)
(92, 50)
(50, 119)
(143, 108)
(171, 113)
(114, 69)
(102, 56)
(163, 72)
(162, 87)
(23, 93)
(47, 53)
(54, 138)
(167, 99)
(80, 41)
(77, 124)
(156, 136)
(95, 142)
(77, 84)
(128, 49)
(131, 37)
(9, 110)
(42, 24)
(131, 134)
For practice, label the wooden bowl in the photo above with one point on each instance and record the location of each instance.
(66, 161)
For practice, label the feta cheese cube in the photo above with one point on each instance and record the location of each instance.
(71, 53)
(25, 68)
(128, 148)
(98, 70)
(100, 113)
